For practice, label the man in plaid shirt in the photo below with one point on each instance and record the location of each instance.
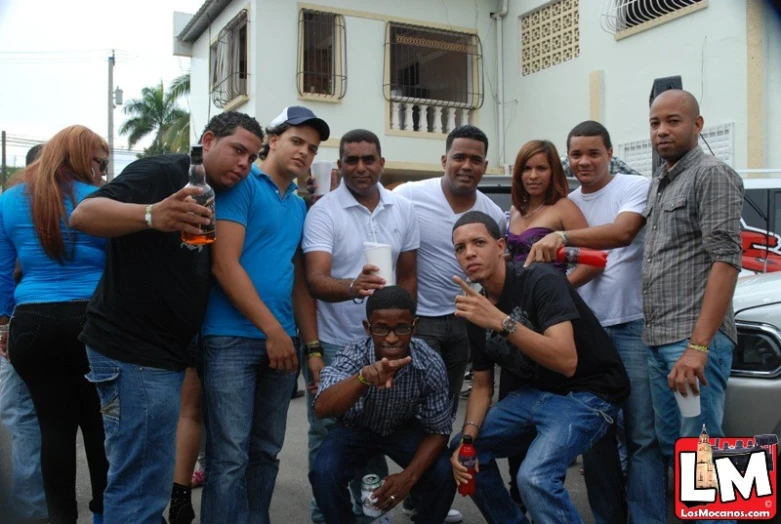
(390, 394)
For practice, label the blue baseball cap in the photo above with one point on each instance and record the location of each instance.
(299, 115)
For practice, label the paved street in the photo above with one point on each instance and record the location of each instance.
(292, 494)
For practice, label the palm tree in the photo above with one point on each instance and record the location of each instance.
(178, 135)
(155, 112)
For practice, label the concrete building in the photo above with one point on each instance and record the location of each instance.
(519, 69)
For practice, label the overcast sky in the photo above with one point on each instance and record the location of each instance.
(54, 62)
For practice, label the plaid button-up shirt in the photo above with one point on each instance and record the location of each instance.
(693, 220)
(419, 391)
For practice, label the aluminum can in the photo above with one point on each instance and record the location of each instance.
(368, 484)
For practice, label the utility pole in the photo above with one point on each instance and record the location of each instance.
(110, 172)
(5, 173)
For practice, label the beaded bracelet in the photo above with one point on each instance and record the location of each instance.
(314, 354)
(362, 379)
(698, 347)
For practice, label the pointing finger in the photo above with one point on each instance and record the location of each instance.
(464, 286)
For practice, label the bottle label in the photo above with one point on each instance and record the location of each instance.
(211, 226)
(467, 462)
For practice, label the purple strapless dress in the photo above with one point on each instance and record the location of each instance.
(520, 245)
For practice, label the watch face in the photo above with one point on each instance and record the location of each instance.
(509, 325)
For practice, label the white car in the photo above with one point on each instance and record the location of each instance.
(753, 405)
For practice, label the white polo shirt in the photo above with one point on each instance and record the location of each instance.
(339, 225)
(436, 257)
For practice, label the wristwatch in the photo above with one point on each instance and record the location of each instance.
(509, 325)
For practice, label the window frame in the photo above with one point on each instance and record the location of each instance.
(229, 78)
(339, 58)
(475, 98)
(622, 30)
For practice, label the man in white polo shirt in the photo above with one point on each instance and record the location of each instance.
(359, 210)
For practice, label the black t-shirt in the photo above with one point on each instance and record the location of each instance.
(152, 297)
(539, 297)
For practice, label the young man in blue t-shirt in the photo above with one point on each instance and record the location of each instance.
(253, 320)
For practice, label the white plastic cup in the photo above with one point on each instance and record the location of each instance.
(690, 404)
(321, 171)
(380, 255)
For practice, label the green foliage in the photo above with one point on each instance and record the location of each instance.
(157, 112)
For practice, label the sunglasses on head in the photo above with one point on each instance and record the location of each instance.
(102, 163)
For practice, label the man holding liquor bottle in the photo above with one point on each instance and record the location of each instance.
(253, 320)
(149, 305)
(390, 394)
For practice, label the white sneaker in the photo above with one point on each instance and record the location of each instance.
(453, 515)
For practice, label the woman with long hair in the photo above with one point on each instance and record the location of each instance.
(60, 270)
(540, 205)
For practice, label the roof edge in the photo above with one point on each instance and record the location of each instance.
(201, 20)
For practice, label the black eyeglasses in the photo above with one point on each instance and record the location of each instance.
(102, 163)
(383, 331)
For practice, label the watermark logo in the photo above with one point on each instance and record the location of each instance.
(726, 478)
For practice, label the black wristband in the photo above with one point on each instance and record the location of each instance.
(314, 349)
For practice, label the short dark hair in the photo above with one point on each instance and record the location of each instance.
(359, 135)
(390, 297)
(276, 130)
(478, 217)
(590, 128)
(466, 131)
(32, 154)
(225, 124)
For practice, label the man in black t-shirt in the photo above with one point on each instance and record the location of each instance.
(532, 323)
(149, 305)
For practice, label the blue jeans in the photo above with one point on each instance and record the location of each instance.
(645, 490)
(17, 414)
(669, 423)
(140, 407)
(246, 405)
(566, 425)
(318, 429)
(345, 453)
(447, 336)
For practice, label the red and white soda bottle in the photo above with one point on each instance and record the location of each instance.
(582, 255)
(467, 457)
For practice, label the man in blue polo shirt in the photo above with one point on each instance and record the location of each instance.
(252, 322)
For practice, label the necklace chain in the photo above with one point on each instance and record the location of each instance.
(529, 215)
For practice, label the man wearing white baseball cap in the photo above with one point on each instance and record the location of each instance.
(254, 320)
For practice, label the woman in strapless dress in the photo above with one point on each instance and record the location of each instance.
(540, 206)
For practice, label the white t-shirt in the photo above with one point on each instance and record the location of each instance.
(616, 295)
(436, 258)
(339, 225)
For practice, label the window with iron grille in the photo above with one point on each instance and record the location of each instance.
(623, 15)
(228, 61)
(322, 54)
(433, 66)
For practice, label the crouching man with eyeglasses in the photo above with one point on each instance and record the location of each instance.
(390, 395)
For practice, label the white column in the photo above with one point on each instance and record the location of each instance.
(464, 116)
(423, 122)
(437, 119)
(451, 119)
(395, 115)
(408, 117)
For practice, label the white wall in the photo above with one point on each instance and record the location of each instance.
(772, 87)
(273, 53)
(707, 48)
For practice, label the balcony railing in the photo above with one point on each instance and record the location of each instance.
(424, 115)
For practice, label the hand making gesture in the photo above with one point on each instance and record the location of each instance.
(477, 309)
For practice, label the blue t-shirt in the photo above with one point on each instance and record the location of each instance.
(43, 278)
(274, 225)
